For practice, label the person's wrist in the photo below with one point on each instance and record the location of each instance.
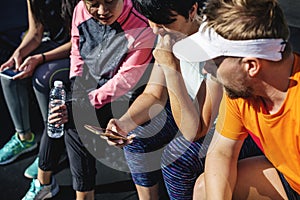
(130, 124)
(43, 58)
(171, 69)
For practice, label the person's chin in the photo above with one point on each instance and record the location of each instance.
(106, 21)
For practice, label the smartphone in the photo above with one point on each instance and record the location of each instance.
(10, 73)
(103, 132)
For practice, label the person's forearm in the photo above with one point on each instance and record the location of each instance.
(221, 167)
(220, 177)
(33, 36)
(150, 103)
(60, 52)
(184, 111)
(29, 43)
(144, 108)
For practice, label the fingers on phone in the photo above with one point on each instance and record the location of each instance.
(131, 136)
(21, 75)
(115, 140)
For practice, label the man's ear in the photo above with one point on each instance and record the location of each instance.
(252, 65)
(193, 11)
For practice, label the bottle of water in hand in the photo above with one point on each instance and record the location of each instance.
(57, 97)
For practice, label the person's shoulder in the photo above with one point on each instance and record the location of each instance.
(131, 18)
(139, 16)
(80, 13)
(80, 6)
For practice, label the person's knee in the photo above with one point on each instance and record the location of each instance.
(40, 80)
(148, 193)
(199, 188)
(89, 195)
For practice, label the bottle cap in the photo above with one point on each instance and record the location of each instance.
(58, 83)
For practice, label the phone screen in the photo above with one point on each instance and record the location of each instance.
(9, 73)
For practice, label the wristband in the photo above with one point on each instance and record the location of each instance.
(44, 58)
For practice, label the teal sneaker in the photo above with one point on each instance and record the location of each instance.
(15, 147)
(32, 170)
(37, 191)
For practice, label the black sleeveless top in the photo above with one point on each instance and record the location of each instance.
(50, 16)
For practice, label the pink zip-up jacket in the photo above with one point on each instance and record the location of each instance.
(110, 60)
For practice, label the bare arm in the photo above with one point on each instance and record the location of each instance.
(193, 118)
(30, 42)
(31, 62)
(33, 36)
(221, 167)
(146, 106)
(60, 52)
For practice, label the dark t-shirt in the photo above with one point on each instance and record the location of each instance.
(54, 24)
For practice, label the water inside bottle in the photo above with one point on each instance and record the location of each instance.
(53, 130)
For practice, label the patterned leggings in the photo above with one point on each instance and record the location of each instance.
(160, 147)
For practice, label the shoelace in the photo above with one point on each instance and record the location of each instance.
(13, 144)
(31, 192)
(32, 186)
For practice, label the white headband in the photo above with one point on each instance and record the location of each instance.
(206, 45)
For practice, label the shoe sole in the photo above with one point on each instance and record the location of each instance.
(16, 156)
(52, 193)
(29, 176)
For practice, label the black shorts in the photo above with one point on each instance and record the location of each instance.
(290, 192)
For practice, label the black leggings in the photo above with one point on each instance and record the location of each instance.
(83, 147)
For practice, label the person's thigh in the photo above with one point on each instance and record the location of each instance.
(258, 179)
(182, 163)
(143, 155)
(43, 80)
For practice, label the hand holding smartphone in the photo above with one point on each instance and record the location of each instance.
(111, 135)
(10, 73)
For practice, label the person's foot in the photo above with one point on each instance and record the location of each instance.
(15, 147)
(32, 170)
(41, 192)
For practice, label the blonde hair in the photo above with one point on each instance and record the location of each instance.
(246, 19)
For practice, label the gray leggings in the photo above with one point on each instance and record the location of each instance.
(17, 92)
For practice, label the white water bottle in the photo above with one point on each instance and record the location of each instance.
(57, 97)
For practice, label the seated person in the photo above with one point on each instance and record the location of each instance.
(180, 102)
(43, 57)
(247, 41)
(111, 49)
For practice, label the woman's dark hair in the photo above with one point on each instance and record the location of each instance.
(67, 11)
(38, 8)
(164, 11)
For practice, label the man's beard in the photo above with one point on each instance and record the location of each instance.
(245, 93)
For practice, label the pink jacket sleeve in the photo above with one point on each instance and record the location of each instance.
(130, 72)
(76, 60)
